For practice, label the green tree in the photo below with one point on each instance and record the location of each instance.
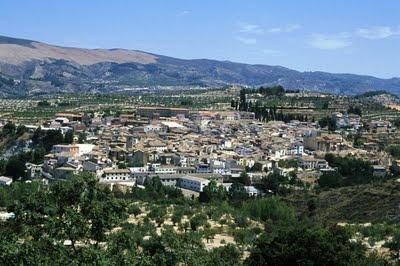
(269, 209)
(198, 220)
(394, 246)
(257, 167)
(213, 193)
(78, 210)
(8, 129)
(244, 237)
(158, 215)
(177, 216)
(306, 244)
(394, 151)
(21, 129)
(244, 179)
(276, 183)
(237, 194)
(331, 179)
(81, 137)
(15, 168)
(327, 122)
(227, 255)
(134, 209)
(69, 137)
(38, 154)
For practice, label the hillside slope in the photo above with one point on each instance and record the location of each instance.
(376, 203)
(37, 67)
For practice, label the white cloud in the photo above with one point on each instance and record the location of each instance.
(245, 27)
(374, 33)
(286, 28)
(272, 52)
(330, 42)
(183, 13)
(246, 40)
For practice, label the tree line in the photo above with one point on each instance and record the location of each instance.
(264, 113)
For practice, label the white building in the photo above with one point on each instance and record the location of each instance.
(115, 175)
(85, 148)
(193, 183)
(253, 191)
(5, 181)
(165, 169)
(152, 128)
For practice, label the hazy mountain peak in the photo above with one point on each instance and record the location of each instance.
(44, 68)
(18, 51)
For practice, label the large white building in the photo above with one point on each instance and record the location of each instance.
(116, 175)
(193, 183)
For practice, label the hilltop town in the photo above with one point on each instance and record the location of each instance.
(204, 147)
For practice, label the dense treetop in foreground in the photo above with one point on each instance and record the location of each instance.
(79, 221)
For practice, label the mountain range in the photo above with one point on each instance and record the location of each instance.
(30, 67)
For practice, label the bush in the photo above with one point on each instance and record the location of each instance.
(306, 244)
(134, 209)
(269, 209)
(331, 179)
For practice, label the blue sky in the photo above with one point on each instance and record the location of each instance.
(353, 36)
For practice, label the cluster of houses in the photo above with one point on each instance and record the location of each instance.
(187, 149)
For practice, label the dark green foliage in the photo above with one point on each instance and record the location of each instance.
(244, 179)
(290, 163)
(306, 244)
(187, 102)
(354, 110)
(47, 138)
(43, 103)
(154, 190)
(394, 246)
(213, 193)
(15, 168)
(175, 249)
(46, 216)
(241, 220)
(276, 183)
(257, 167)
(20, 130)
(396, 122)
(3, 164)
(78, 210)
(358, 141)
(331, 179)
(8, 130)
(134, 209)
(38, 154)
(198, 220)
(355, 171)
(327, 122)
(373, 202)
(272, 91)
(177, 216)
(68, 137)
(237, 194)
(157, 214)
(269, 209)
(266, 91)
(372, 93)
(81, 137)
(227, 255)
(394, 151)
